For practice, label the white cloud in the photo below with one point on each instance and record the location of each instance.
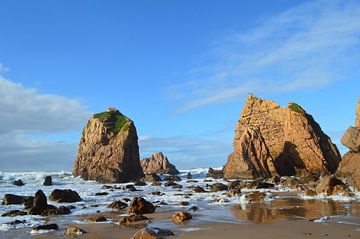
(306, 47)
(26, 114)
(3, 68)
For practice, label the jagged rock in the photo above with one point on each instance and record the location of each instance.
(64, 195)
(152, 177)
(213, 173)
(108, 149)
(96, 219)
(46, 227)
(40, 205)
(189, 176)
(14, 213)
(18, 182)
(140, 206)
(217, 187)
(47, 181)
(351, 139)
(181, 217)
(73, 230)
(28, 202)
(349, 168)
(330, 185)
(118, 205)
(158, 163)
(271, 140)
(153, 233)
(132, 218)
(172, 178)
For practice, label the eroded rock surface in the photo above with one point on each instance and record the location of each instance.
(108, 149)
(158, 163)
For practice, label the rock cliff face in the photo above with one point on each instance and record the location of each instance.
(158, 163)
(271, 140)
(108, 149)
(350, 164)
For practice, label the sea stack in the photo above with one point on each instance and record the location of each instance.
(158, 163)
(108, 149)
(273, 140)
(350, 164)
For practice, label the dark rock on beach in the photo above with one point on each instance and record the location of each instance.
(64, 195)
(140, 206)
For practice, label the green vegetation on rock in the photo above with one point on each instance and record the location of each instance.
(114, 119)
(295, 107)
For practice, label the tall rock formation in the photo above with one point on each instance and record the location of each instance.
(350, 164)
(271, 140)
(158, 163)
(108, 149)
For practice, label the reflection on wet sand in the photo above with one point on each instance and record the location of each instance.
(293, 209)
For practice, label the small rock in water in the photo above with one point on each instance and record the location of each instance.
(189, 176)
(198, 189)
(101, 193)
(14, 213)
(181, 217)
(157, 193)
(140, 183)
(96, 219)
(217, 187)
(132, 219)
(255, 196)
(73, 230)
(184, 203)
(157, 183)
(170, 184)
(10, 199)
(66, 195)
(130, 187)
(16, 222)
(118, 205)
(212, 173)
(47, 181)
(40, 204)
(18, 182)
(140, 206)
(172, 178)
(193, 208)
(152, 233)
(52, 226)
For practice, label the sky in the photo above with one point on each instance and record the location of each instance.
(180, 69)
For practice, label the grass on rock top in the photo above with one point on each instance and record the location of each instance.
(117, 121)
(295, 107)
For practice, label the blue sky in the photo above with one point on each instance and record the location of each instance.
(180, 69)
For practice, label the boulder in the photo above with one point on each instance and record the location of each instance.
(213, 173)
(108, 149)
(64, 195)
(14, 213)
(217, 187)
(330, 185)
(18, 182)
(351, 139)
(45, 227)
(47, 181)
(57, 211)
(132, 218)
(10, 199)
(272, 140)
(140, 206)
(349, 169)
(118, 205)
(73, 230)
(158, 163)
(181, 217)
(153, 233)
(40, 204)
(198, 189)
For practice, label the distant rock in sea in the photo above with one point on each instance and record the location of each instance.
(158, 163)
(350, 164)
(272, 140)
(108, 149)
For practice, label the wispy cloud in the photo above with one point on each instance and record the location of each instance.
(187, 152)
(308, 46)
(25, 114)
(4, 68)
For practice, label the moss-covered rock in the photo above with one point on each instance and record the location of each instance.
(114, 120)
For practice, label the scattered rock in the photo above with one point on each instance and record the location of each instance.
(233, 192)
(330, 185)
(157, 183)
(101, 194)
(158, 163)
(181, 217)
(16, 222)
(66, 195)
(189, 176)
(14, 213)
(152, 177)
(73, 230)
(130, 187)
(184, 203)
(172, 178)
(152, 233)
(193, 208)
(132, 218)
(46, 227)
(10, 199)
(170, 184)
(48, 181)
(157, 193)
(58, 211)
(198, 189)
(18, 182)
(140, 206)
(96, 219)
(271, 140)
(118, 205)
(108, 149)
(40, 205)
(217, 174)
(217, 187)
(255, 196)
